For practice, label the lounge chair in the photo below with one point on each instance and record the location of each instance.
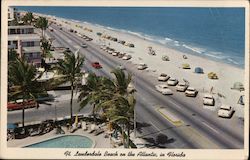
(84, 126)
(92, 128)
(74, 128)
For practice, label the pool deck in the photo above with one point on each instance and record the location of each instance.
(99, 140)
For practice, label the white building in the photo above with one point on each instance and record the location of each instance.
(12, 14)
(25, 42)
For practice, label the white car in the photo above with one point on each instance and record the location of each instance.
(208, 100)
(225, 111)
(172, 82)
(163, 89)
(115, 54)
(126, 57)
(163, 77)
(142, 66)
(191, 92)
(181, 87)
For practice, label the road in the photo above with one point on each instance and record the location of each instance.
(199, 125)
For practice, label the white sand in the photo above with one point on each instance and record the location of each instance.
(227, 74)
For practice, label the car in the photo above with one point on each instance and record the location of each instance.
(18, 104)
(163, 88)
(71, 30)
(60, 28)
(172, 81)
(142, 66)
(208, 100)
(126, 57)
(115, 53)
(181, 87)
(83, 45)
(51, 30)
(225, 111)
(96, 65)
(163, 77)
(120, 55)
(191, 92)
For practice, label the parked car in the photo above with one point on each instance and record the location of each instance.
(163, 89)
(225, 111)
(208, 100)
(181, 87)
(18, 104)
(163, 77)
(172, 81)
(83, 45)
(142, 66)
(96, 65)
(115, 53)
(191, 92)
(126, 57)
(71, 30)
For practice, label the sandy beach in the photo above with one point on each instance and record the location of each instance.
(227, 74)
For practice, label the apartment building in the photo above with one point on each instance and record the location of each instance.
(26, 43)
(13, 14)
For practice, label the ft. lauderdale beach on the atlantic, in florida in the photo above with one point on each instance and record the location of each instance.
(128, 77)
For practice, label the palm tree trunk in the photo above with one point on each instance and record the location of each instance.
(71, 103)
(123, 139)
(23, 108)
(128, 135)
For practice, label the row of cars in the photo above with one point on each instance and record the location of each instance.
(113, 52)
(224, 110)
(180, 86)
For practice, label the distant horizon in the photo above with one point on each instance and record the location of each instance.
(208, 32)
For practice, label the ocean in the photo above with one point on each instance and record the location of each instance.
(214, 33)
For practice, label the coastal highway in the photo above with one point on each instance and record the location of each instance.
(207, 123)
(198, 127)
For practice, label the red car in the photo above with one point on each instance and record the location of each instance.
(19, 104)
(96, 65)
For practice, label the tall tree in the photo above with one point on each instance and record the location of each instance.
(112, 97)
(28, 18)
(12, 55)
(23, 78)
(70, 71)
(43, 24)
(45, 46)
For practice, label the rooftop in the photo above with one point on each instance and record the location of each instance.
(20, 27)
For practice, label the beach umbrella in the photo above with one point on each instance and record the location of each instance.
(185, 66)
(165, 58)
(198, 70)
(212, 75)
(238, 86)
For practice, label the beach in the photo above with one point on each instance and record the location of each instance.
(220, 88)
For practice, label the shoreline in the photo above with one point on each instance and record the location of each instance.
(186, 47)
(228, 74)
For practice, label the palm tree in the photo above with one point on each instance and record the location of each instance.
(111, 96)
(42, 23)
(12, 55)
(28, 18)
(94, 92)
(45, 46)
(23, 79)
(70, 69)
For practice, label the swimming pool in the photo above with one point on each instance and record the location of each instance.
(66, 141)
